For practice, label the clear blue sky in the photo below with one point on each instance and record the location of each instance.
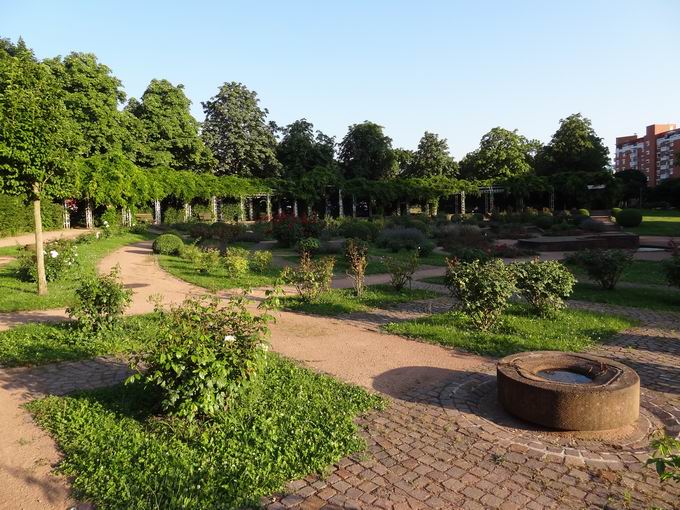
(457, 68)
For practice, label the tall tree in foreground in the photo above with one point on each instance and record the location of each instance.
(38, 139)
(432, 158)
(575, 147)
(366, 152)
(171, 134)
(237, 132)
(502, 153)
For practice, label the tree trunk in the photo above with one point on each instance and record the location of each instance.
(39, 255)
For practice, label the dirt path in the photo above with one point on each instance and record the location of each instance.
(47, 236)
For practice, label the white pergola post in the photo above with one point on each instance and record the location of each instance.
(341, 207)
(213, 208)
(241, 209)
(89, 215)
(251, 214)
(280, 208)
(309, 210)
(408, 209)
(269, 207)
(491, 201)
(427, 208)
(462, 202)
(156, 212)
(295, 208)
(354, 206)
(187, 212)
(67, 216)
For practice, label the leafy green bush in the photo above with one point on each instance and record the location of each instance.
(309, 245)
(359, 229)
(16, 215)
(544, 221)
(356, 253)
(592, 225)
(111, 222)
(543, 284)
(465, 254)
(615, 212)
(203, 355)
(482, 289)
(100, 301)
(584, 212)
(399, 238)
(666, 458)
(261, 260)
(410, 221)
(603, 266)
(227, 232)
(629, 218)
(401, 270)
(672, 266)
(288, 230)
(311, 277)
(61, 258)
(168, 244)
(236, 260)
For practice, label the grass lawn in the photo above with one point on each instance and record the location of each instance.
(640, 271)
(121, 455)
(219, 278)
(40, 343)
(658, 223)
(339, 301)
(341, 266)
(639, 297)
(16, 294)
(439, 280)
(519, 330)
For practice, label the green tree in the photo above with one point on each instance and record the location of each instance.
(38, 138)
(404, 159)
(171, 134)
(236, 130)
(501, 154)
(301, 149)
(92, 96)
(432, 158)
(631, 183)
(366, 152)
(575, 147)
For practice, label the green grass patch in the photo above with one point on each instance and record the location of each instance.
(638, 297)
(519, 330)
(433, 259)
(647, 272)
(16, 294)
(120, 455)
(339, 301)
(658, 223)
(439, 280)
(219, 278)
(40, 343)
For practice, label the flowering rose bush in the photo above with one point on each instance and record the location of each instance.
(288, 230)
(61, 257)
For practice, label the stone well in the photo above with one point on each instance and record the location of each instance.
(568, 391)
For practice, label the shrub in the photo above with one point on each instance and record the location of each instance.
(16, 215)
(100, 301)
(311, 277)
(356, 253)
(584, 212)
(309, 245)
(544, 221)
(61, 257)
(288, 230)
(401, 270)
(629, 218)
(359, 229)
(236, 261)
(200, 230)
(666, 457)
(111, 222)
(227, 232)
(398, 238)
(543, 284)
(261, 261)
(410, 221)
(168, 244)
(207, 260)
(615, 212)
(482, 289)
(592, 225)
(470, 236)
(465, 254)
(603, 266)
(672, 266)
(204, 354)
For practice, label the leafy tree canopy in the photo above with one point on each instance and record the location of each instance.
(575, 147)
(38, 139)
(631, 182)
(404, 159)
(501, 154)
(432, 158)
(301, 150)
(366, 152)
(171, 137)
(236, 131)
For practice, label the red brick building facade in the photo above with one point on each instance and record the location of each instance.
(655, 154)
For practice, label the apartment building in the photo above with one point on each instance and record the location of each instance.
(655, 154)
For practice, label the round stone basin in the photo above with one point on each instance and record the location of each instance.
(568, 391)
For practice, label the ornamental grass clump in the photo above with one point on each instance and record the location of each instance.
(544, 284)
(356, 253)
(401, 270)
(603, 266)
(204, 355)
(100, 302)
(481, 288)
(311, 277)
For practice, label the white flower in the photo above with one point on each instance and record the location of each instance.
(229, 338)
(54, 254)
(105, 223)
(97, 235)
(264, 347)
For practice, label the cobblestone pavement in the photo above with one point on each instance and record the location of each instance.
(451, 446)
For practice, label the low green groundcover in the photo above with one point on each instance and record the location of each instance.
(518, 330)
(292, 423)
(338, 301)
(655, 298)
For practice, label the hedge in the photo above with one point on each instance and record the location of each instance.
(16, 216)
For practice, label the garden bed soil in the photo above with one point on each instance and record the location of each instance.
(607, 240)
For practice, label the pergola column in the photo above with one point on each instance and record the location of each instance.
(187, 212)
(341, 207)
(462, 202)
(552, 200)
(67, 215)
(213, 208)
(309, 210)
(156, 212)
(295, 208)
(241, 209)
(329, 207)
(269, 207)
(427, 208)
(280, 209)
(89, 214)
(408, 209)
(354, 206)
